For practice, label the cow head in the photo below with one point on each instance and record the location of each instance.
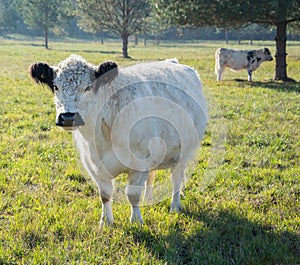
(69, 81)
(267, 55)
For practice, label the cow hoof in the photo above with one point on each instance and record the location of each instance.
(136, 220)
(136, 217)
(106, 224)
(176, 209)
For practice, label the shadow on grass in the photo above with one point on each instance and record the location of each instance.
(88, 51)
(276, 85)
(26, 42)
(225, 239)
(23, 44)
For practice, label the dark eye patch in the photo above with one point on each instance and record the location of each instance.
(88, 88)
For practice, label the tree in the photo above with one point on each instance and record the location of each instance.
(43, 14)
(9, 18)
(294, 28)
(236, 13)
(123, 17)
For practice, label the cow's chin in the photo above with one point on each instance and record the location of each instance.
(69, 128)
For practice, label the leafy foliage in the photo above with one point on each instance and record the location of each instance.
(42, 14)
(228, 13)
(123, 17)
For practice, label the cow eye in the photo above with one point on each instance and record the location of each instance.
(88, 88)
(55, 88)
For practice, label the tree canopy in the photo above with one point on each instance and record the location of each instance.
(228, 13)
(123, 17)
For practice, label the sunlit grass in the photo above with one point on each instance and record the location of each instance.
(249, 214)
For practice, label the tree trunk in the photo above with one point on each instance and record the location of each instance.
(46, 38)
(101, 36)
(125, 45)
(226, 35)
(145, 38)
(239, 37)
(280, 72)
(281, 25)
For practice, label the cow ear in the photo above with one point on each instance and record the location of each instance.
(42, 73)
(106, 72)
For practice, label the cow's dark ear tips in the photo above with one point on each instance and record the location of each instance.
(107, 67)
(106, 73)
(41, 73)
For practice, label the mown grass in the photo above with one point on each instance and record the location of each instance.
(249, 214)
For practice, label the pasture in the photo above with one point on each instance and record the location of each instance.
(241, 203)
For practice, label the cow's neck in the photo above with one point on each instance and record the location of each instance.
(87, 131)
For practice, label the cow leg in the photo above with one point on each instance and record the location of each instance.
(136, 184)
(106, 190)
(176, 179)
(148, 197)
(220, 72)
(249, 75)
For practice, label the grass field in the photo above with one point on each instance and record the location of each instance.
(241, 204)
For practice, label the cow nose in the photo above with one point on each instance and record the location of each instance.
(69, 119)
(66, 119)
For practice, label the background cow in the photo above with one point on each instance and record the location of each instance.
(239, 59)
(128, 120)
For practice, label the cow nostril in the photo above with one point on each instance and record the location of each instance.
(69, 119)
(66, 119)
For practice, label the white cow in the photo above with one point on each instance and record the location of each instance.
(128, 120)
(240, 59)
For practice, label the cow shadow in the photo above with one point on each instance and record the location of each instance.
(223, 239)
(290, 86)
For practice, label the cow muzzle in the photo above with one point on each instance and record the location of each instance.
(69, 120)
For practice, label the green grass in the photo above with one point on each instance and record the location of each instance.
(248, 214)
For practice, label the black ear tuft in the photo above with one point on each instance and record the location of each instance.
(42, 73)
(106, 73)
(267, 51)
(106, 67)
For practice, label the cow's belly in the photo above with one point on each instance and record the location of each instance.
(152, 143)
(236, 66)
(234, 61)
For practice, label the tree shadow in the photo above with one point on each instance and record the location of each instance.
(23, 44)
(86, 51)
(225, 238)
(272, 84)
